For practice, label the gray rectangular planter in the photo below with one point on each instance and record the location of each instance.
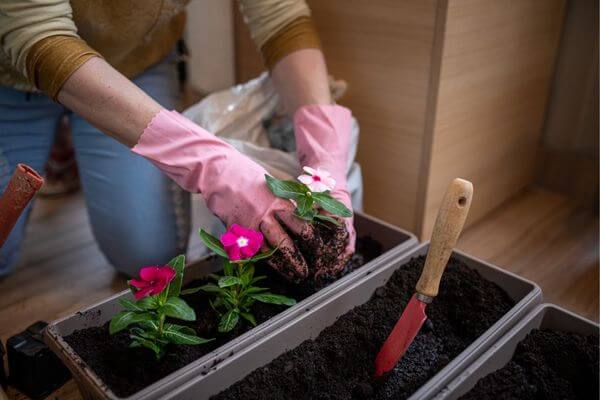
(545, 316)
(308, 326)
(395, 242)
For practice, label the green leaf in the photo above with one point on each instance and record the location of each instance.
(273, 299)
(330, 204)
(150, 335)
(248, 317)
(212, 243)
(212, 288)
(150, 325)
(308, 215)
(264, 255)
(304, 205)
(181, 328)
(247, 275)
(125, 318)
(328, 219)
(183, 335)
(148, 303)
(286, 189)
(178, 308)
(227, 281)
(157, 349)
(190, 290)
(258, 279)
(178, 264)
(228, 268)
(130, 305)
(255, 289)
(229, 321)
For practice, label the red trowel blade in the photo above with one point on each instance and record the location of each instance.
(402, 335)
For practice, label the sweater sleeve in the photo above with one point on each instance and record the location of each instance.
(40, 39)
(279, 27)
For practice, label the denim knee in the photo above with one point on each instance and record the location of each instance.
(132, 248)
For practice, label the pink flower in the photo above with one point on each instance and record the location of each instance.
(317, 180)
(153, 280)
(241, 243)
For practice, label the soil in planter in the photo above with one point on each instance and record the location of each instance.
(126, 370)
(340, 362)
(546, 365)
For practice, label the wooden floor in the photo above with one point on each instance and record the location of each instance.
(540, 235)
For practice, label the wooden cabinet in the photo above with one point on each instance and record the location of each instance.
(441, 89)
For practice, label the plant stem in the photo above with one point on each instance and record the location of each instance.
(161, 323)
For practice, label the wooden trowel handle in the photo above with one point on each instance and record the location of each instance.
(448, 225)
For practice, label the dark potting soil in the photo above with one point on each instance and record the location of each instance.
(127, 370)
(547, 365)
(340, 362)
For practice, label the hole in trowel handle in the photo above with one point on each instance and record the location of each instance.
(462, 201)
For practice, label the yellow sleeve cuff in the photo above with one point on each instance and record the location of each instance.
(51, 61)
(297, 35)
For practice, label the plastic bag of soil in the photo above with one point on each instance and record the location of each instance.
(249, 116)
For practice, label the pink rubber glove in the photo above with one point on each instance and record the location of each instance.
(233, 185)
(323, 141)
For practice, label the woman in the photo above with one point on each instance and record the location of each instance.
(77, 57)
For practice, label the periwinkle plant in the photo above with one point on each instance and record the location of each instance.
(157, 294)
(311, 194)
(235, 292)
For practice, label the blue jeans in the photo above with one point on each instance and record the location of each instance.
(131, 204)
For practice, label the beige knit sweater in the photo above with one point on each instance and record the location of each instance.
(42, 42)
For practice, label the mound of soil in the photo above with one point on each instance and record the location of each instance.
(340, 362)
(126, 370)
(546, 365)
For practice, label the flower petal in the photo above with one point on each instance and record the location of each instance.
(228, 239)
(329, 182)
(138, 284)
(309, 170)
(143, 292)
(166, 274)
(306, 179)
(233, 252)
(255, 242)
(318, 187)
(238, 230)
(158, 287)
(149, 273)
(323, 173)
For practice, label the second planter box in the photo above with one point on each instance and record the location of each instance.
(239, 364)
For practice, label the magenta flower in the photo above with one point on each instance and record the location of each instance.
(318, 180)
(153, 280)
(241, 243)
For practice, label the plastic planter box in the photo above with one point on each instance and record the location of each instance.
(395, 241)
(526, 295)
(546, 316)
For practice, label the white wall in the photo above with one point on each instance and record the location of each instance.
(210, 40)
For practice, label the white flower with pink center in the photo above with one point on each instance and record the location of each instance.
(318, 180)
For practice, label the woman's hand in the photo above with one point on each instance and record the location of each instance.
(323, 141)
(233, 185)
(322, 130)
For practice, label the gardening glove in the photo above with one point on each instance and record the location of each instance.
(323, 141)
(233, 185)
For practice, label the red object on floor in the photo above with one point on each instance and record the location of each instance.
(23, 185)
